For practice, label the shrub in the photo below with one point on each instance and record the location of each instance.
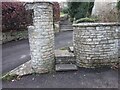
(79, 10)
(118, 5)
(15, 16)
(56, 11)
(65, 10)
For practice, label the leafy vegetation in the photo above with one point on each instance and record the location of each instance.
(78, 10)
(118, 5)
(65, 10)
(62, 14)
(56, 11)
(14, 16)
(8, 77)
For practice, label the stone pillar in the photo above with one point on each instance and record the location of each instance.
(41, 37)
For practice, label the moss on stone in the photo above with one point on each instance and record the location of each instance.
(64, 48)
(9, 77)
(86, 20)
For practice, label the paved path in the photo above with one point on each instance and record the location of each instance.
(83, 78)
(17, 53)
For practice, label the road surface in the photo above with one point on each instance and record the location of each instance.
(16, 53)
(83, 78)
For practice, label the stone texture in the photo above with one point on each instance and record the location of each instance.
(96, 44)
(63, 53)
(23, 69)
(66, 67)
(64, 57)
(118, 42)
(41, 37)
(56, 27)
(14, 35)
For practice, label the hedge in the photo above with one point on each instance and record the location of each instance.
(15, 16)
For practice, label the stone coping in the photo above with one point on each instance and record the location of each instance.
(30, 5)
(33, 2)
(97, 24)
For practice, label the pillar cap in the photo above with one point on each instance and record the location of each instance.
(32, 3)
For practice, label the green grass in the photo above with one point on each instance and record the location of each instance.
(64, 48)
(9, 77)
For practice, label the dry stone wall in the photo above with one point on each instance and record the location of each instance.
(14, 35)
(41, 37)
(96, 44)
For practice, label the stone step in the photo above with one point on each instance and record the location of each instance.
(66, 26)
(65, 21)
(66, 67)
(64, 57)
(66, 30)
(65, 60)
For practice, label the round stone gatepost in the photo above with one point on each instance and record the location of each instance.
(41, 37)
(96, 44)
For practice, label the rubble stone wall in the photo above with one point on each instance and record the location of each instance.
(14, 35)
(96, 44)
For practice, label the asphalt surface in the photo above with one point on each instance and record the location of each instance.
(83, 78)
(16, 53)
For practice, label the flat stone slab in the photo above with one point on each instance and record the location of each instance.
(63, 53)
(66, 67)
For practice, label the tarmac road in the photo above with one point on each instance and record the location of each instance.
(16, 53)
(83, 78)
